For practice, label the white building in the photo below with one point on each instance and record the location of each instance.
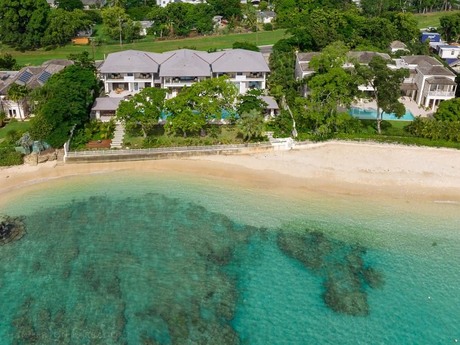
(30, 76)
(130, 71)
(164, 3)
(448, 52)
(429, 82)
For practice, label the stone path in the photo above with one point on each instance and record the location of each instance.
(118, 136)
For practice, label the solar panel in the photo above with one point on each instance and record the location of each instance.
(25, 77)
(44, 77)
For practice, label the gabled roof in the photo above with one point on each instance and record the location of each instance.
(34, 76)
(129, 61)
(364, 57)
(398, 45)
(271, 102)
(440, 81)
(240, 60)
(106, 103)
(418, 59)
(185, 63)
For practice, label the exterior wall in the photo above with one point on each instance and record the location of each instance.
(13, 109)
(449, 52)
(135, 82)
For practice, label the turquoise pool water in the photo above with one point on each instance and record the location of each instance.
(124, 258)
(371, 114)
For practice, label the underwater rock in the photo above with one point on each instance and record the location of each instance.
(340, 264)
(11, 229)
(373, 278)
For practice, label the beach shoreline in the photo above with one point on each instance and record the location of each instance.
(357, 169)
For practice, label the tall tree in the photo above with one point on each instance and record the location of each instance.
(118, 25)
(64, 25)
(385, 84)
(143, 109)
(64, 101)
(200, 103)
(17, 93)
(331, 88)
(226, 8)
(22, 23)
(450, 27)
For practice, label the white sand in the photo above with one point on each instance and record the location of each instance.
(342, 167)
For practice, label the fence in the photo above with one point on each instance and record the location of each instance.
(161, 153)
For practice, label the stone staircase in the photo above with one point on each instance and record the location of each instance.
(118, 136)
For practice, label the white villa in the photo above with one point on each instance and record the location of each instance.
(429, 82)
(30, 76)
(128, 72)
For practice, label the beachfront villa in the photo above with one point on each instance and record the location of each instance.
(429, 82)
(127, 72)
(30, 76)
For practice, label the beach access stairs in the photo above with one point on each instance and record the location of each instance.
(118, 136)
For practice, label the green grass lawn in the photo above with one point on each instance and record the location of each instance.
(147, 44)
(431, 19)
(16, 125)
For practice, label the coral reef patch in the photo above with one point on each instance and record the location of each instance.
(341, 265)
(11, 229)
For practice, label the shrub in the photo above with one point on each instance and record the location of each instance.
(268, 27)
(8, 156)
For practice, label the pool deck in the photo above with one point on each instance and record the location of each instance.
(408, 103)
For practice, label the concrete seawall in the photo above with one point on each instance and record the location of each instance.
(138, 155)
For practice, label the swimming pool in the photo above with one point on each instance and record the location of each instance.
(371, 114)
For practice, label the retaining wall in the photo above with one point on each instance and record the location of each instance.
(167, 153)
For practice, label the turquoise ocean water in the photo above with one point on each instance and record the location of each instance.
(125, 258)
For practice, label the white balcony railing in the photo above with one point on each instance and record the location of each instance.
(442, 93)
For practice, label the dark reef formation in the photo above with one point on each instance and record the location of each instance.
(168, 255)
(346, 276)
(11, 229)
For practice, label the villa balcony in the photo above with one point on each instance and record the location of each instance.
(114, 77)
(450, 94)
(180, 82)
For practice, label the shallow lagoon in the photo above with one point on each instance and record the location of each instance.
(125, 258)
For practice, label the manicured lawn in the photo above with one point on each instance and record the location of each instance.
(18, 126)
(148, 44)
(431, 19)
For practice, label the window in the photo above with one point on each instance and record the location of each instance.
(130, 74)
(452, 52)
(12, 112)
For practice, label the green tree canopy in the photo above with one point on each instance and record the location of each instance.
(8, 62)
(251, 124)
(64, 25)
(199, 104)
(385, 83)
(70, 5)
(118, 25)
(23, 23)
(448, 110)
(143, 109)
(64, 101)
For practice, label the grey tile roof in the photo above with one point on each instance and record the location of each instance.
(440, 81)
(185, 63)
(33, 76)
(129, 61)
(271, 102)
(240, 60)
(106, 103)
(364, 57)
(398, 45)
(418, 59)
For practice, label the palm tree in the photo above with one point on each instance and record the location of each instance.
(251, 124)
(17, 93)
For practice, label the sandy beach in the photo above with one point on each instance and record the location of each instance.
(366, 169)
